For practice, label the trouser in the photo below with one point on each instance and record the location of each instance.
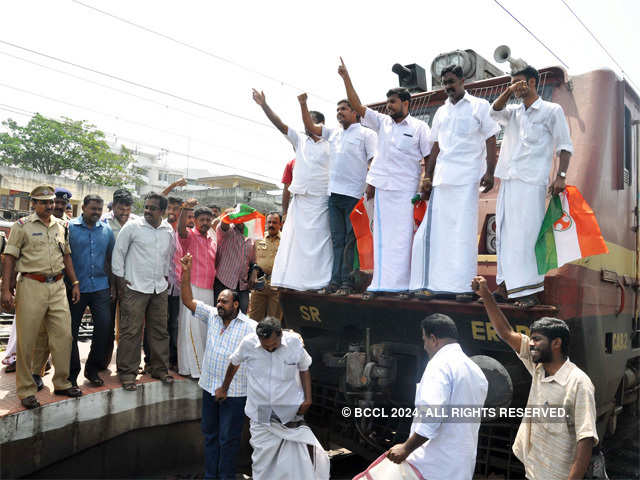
(102, 339)
(172, 327)
(222, 424)
(265, 303)
(39, 304)
(218, 286)
(342, 238)
(135, 307)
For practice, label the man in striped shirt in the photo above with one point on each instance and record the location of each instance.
(201, 244)
(232, 261)
(222, 422)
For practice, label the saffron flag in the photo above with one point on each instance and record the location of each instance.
(253, 220)
(362, 229)
(569, 232)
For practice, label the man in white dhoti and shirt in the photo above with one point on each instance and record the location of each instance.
(305, 254)
(278, 395)
(438, 448)
(533, 130)
(352, 149)
(445, 247)
(403, 143)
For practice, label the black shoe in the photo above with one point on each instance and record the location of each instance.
(72, 392)
(30, 402)
(38, 380)
(94, 379)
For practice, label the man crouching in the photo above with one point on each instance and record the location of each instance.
(278, 395)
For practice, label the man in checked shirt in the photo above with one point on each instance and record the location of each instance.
(222, 421)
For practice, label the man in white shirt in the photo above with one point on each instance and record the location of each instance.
(305, 255)
(533, 130)
(278, 395)
(222, 422)
(437, 448)
(140, 263)
(352, 149)
(403, 142)
(445, 247)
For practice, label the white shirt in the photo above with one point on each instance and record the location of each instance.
(351, 150)
(142, 255)
(450, 379)
(311, 173)
(461, 130)
(401, 148)
(114, 223)
(530, 136)
(273, 378)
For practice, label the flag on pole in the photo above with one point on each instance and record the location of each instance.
(569, 232)
(362, 228)
(253, 220)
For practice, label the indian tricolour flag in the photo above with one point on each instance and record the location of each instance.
(252, 219)
(569, 232)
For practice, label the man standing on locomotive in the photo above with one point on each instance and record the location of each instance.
(403, 142)
(549, 450)
(437, 448)
(445, 255)
(532, 130)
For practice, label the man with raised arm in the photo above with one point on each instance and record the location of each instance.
(403, 142)
(278, 395)
(305, 255)
(445, 247)
(352, 149)
(222, 421)
(555, 449)
(533, 130)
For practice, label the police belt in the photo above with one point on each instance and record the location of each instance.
(43, 278)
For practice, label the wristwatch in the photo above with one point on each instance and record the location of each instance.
(562, 174)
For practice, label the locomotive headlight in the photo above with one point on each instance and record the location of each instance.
(457, 57)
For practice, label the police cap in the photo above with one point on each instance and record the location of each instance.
(63, 193)
(43, 192)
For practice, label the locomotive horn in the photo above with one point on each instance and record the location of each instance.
(503, 54)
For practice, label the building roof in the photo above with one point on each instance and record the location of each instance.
(232, 181)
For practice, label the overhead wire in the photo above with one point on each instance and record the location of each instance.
(531, 33)
(139, 85)
(201, 50)
(124, 92)
(187, 155)
(600, 44)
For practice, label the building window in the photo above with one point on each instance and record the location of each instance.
(628, 142)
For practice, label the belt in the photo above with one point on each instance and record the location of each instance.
(43, 278)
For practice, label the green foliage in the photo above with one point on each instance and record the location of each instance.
(52, 147)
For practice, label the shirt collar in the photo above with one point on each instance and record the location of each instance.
(269, 237)
(450, 346)
(561, 376)
(80, 221)
(465, 97)
(405, 120)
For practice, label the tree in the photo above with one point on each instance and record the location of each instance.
(52, 147)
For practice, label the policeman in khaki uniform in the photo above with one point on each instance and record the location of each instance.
(265, 301)
(38, 249)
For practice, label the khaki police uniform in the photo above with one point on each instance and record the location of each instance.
(266, 303)
(39, 249)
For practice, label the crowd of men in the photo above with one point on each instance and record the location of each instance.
(202, 298)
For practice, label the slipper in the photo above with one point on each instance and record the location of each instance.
(10, 368)
(424, 294)
(95, 380)
(465, 297)
(327, 290)
(166, 379)
(404, 295)
(30, 402)
(369, 295)
(343, 291)
(129, 386)
(526, 302)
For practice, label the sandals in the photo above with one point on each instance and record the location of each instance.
(30, 402)
(527, 302)
(130, 386)
(72, 392)
(327, 290)
(404, 295)
(368, 295)
(166, 379)
(424, 294)
(344, 291)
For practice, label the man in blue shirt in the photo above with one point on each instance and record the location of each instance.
(91, 243)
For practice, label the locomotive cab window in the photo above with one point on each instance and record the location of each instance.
(628, 142)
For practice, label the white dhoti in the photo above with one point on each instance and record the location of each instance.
(10, 352)
(519, 214)
(444, 256)
(392, 237)
(281, 453)
(192, 335)
(384, 469)
(305, 255)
